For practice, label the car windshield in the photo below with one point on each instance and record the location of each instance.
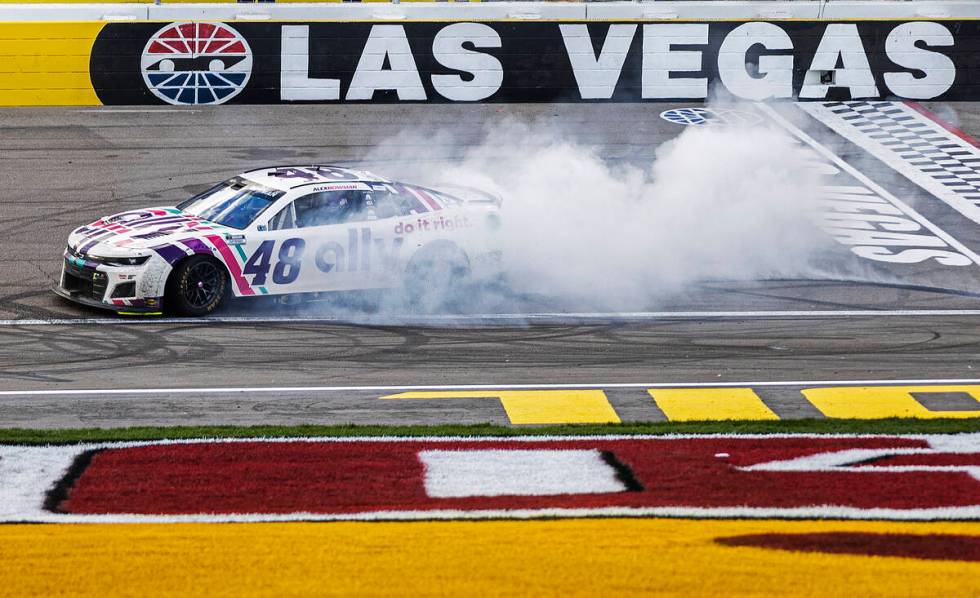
(235, 203)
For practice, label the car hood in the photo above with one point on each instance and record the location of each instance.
(135, 232)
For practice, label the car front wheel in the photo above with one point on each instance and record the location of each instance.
(196, 287)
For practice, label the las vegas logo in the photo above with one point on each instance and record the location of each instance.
(196, 63)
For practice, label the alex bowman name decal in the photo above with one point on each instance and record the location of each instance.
(211, 63)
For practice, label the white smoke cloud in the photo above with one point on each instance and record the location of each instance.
(718, 202)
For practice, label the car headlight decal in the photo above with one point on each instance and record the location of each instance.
(122, 261)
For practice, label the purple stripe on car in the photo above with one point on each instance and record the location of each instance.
(171, 253)
(417, 205)
(98, 233)
(84, 248)
(197, 245)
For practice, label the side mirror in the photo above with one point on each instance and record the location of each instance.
(262, 227)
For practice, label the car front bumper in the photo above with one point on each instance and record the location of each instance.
(123, 309)
(117, 288)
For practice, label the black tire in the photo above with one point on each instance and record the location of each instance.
(196, 287)
(434, 277)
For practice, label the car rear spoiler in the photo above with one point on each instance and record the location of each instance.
(470, 195)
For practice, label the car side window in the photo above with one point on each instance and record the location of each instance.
(391, 205)
(318, 209)
(285, 219)
(321, 209)
(339, 207)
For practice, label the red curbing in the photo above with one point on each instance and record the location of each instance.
(942, 123)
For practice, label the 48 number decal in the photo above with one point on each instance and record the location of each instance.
(287, 268)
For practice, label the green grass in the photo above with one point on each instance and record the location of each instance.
(801, 426)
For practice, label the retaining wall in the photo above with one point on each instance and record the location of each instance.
(503, 52)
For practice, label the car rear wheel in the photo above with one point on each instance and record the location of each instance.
(196, 287)
(435, 276)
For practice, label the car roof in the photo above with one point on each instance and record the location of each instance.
(289, 177)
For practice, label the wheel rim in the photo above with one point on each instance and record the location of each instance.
(203, 284)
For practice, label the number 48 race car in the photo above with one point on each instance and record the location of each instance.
(278, 231)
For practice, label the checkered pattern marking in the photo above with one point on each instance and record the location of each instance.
(932, 157)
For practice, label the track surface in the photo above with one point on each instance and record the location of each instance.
(65, 167)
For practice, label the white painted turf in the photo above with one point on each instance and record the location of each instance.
(451, 474)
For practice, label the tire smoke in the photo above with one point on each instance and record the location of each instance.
(718, 202)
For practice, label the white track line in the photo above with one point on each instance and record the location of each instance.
(285, 389)
(497, 318)
(137, 111)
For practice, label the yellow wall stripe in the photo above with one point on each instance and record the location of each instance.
(705, 404)
(209, 1)
(47, 63)
(536, 406)
(78, 1)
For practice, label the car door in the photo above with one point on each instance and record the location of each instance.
(382, 236)
(355, 246)
(273, 254)
(307, 246)
(336, 237)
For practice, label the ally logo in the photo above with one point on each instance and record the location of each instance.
(196, 63)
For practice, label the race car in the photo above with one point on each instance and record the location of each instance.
(280, 231)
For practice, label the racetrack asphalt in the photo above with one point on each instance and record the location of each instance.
(62, 167)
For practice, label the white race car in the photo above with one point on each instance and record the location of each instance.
(283, 230)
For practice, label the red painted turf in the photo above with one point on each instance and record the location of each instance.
(349, 477)
(945, 547)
